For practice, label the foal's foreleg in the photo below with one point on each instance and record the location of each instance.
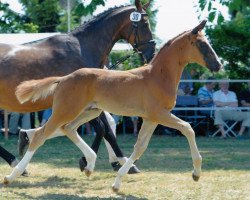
(170, 120)
(70, 131)
(144, 136)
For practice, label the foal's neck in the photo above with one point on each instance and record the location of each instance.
(170, 62)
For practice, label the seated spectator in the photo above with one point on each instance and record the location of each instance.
(226, 98)
(245, 102)
(14, 122)
(205, 96)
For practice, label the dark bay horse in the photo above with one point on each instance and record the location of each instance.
(149, 92)
(88, 46)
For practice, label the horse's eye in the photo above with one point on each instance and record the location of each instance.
(145, 18)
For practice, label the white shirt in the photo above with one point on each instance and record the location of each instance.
(222, 97)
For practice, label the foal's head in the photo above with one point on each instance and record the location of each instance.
(200, 51)
(139, 34)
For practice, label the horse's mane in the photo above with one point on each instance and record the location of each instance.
(98, 17)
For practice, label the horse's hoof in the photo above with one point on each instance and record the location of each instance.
(82, 163)
(195, 177)
(6, 181)
(87, 172)
(115, 189)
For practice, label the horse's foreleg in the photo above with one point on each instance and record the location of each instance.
(170, 120)
(144, 136)
(106, 127)
(110, 139)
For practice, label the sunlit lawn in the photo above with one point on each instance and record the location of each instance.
(166, 171)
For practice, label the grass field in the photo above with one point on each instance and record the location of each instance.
(166, 171)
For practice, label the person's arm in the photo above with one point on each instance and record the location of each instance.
(224, 104)
(205, 102)
(244, 103)
(221, 104)
(232, 103)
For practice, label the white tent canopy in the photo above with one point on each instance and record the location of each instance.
(24, 38)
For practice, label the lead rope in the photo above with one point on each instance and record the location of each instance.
(123, 59)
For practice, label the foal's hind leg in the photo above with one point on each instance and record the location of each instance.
(40, 135)
(38, 139)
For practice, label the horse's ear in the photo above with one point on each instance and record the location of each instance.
(199, 27)
(145, 6)
(138, 5)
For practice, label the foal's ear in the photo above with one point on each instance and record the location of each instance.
(199, 27)
(145, 6)
(138, 5)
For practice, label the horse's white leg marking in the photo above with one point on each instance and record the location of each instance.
(112, 156)
(30, 133)
(19, 169)
(144, 136)
(170, 120)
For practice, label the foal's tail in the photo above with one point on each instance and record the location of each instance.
(36, 89)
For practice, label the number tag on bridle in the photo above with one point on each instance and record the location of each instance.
(135, 16)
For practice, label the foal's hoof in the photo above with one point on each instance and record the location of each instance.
(115, 189)
(82, 163)
(6, 181)
(87, 172)
(195, 177)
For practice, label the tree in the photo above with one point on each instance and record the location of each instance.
(12, 22)
(43, 13)
(211, 6)
(231, 39)
(78, 9)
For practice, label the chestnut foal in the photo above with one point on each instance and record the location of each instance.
(148, 92)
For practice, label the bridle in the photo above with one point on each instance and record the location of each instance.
(136, 45)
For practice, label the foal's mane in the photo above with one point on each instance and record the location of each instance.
(98, 17)
(168, 44)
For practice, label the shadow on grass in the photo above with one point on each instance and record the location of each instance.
(165, 154)
(74, 197)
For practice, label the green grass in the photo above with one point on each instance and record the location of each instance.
(166, 171)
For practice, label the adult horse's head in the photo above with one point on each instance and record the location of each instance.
(202, 52)
(138, 32)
